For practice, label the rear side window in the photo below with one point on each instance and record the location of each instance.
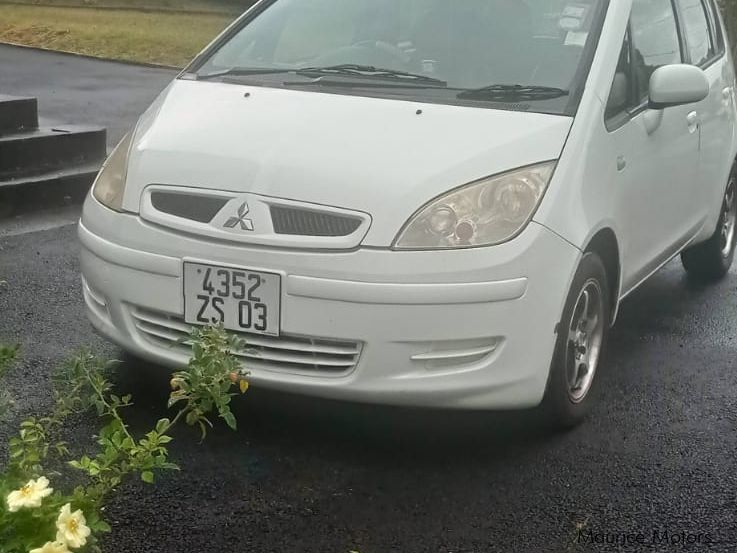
(696, 26)
(717, 35)
(655, 41)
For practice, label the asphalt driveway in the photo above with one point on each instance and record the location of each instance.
(79, 90)
(658, 457)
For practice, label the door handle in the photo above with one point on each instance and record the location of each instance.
(621, 163)
(727, 96)
(693, 121)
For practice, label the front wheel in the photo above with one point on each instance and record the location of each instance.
(582, 334)
(711, 260)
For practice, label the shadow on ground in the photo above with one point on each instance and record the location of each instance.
(369, 433)
(667, 306)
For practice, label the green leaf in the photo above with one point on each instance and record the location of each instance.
(192, 418)
(229, 420)
(147, 476)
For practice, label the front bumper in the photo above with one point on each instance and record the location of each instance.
(470, 329)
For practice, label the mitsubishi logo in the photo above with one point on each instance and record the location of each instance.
(244, 222)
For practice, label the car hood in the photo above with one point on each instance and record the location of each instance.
(382, 157)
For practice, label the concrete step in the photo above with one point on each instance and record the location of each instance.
(87, 171)
(24, 155)
(17, 114)
(52, 189)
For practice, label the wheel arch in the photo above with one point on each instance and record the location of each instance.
(605, 244)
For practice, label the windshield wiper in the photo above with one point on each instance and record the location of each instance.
(370, 71)
(347, 69)
(512, 92)
(242, 71)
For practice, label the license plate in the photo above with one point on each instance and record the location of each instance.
(240, 299)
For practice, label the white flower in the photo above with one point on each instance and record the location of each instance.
(72, 527)
(31, 495)
(52, 547)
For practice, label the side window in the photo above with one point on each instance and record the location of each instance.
(696, 27)
(620, 97)
(655, 41)
(717, 36)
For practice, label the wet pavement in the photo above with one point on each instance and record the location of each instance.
(657, 457)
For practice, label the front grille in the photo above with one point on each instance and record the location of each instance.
(304, 222)
(284, 353)
(195, 207)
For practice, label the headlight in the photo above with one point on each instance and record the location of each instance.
(109, 185)
(482, 213)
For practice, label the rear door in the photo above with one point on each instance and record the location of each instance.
(655, 153)
(705, 46)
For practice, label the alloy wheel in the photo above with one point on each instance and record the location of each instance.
(729, 217)
(585, 337)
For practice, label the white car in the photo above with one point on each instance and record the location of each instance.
(420, 202)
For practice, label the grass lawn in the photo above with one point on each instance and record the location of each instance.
(217, 6)
(154, 37)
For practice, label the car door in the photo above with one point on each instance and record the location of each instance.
(706, 49)
(655, 153)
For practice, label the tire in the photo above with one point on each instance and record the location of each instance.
(571, 389)
(710, 261)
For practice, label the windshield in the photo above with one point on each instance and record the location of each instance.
(520, 54)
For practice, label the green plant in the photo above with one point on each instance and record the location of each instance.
(7, 356)
(36, 517)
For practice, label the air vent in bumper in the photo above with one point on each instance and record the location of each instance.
(305, 222)
(195, 207)
(296, 354)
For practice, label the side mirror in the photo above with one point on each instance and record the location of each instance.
(677, 84)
